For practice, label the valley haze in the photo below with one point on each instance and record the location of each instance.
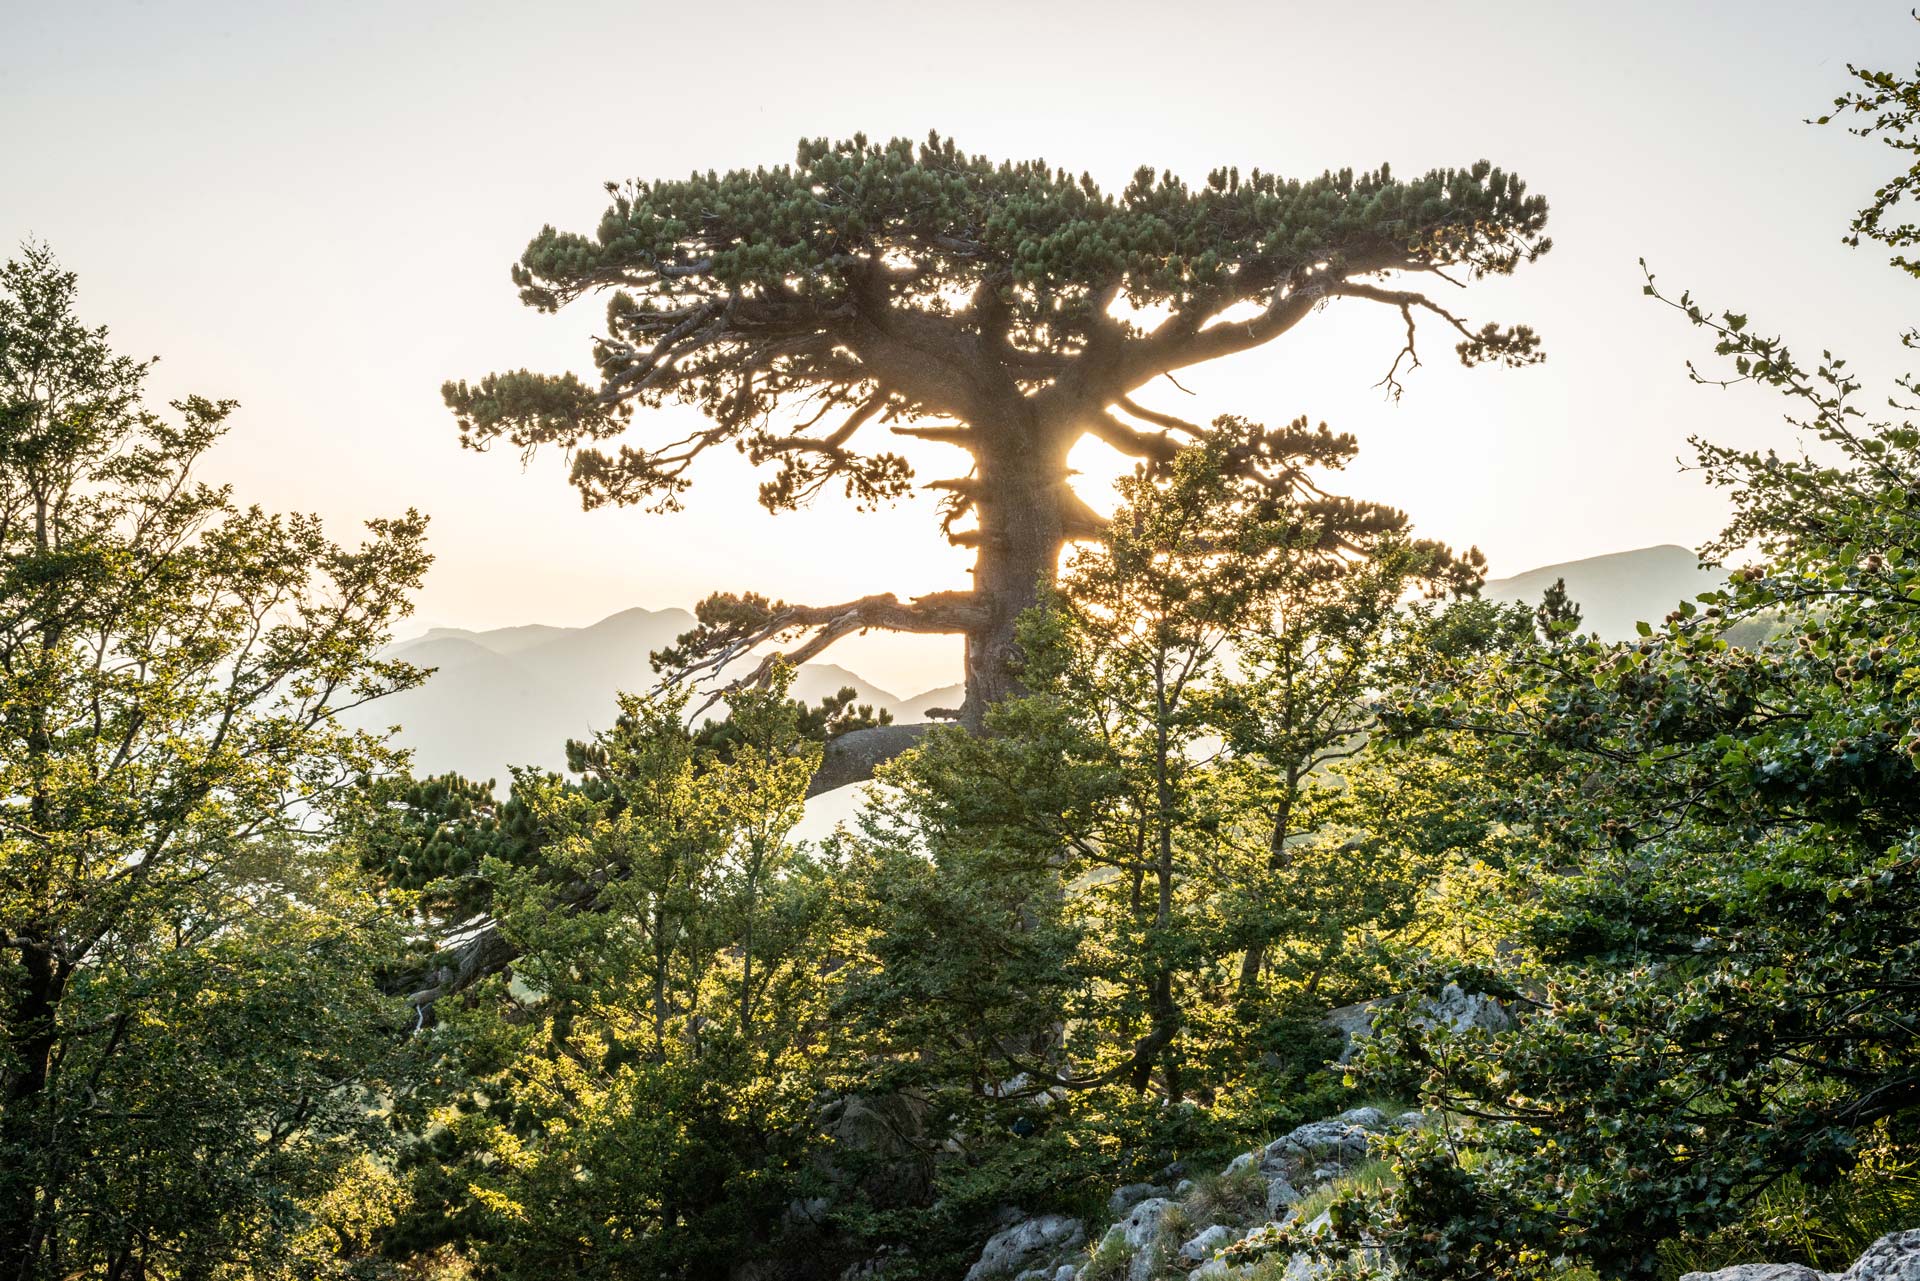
(513, 696)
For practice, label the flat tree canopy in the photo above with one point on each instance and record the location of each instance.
(1009, 309)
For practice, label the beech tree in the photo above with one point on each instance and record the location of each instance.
(1007, 309)
(189, 1027)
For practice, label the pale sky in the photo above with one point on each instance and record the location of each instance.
(312, 209)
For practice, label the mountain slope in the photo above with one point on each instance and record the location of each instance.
(515, 695)
(1617, 590)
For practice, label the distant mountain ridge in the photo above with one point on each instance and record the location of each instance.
(1617, 590)
(515, 695)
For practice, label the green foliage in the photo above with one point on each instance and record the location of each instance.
(1055, 916)
(191, 1039)
(642, 1097)
(1890, 105)
(703, 272)
(1719, 949)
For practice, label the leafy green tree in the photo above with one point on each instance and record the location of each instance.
(1062, 905)
(1719, 955)
(1333, 624)
(189, 1029)
(640, 1098)
(434, 837)
(1008, 310)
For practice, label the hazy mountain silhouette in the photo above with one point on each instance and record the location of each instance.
(1618, 590)
(515, 695)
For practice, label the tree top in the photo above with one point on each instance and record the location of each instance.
(903, 282)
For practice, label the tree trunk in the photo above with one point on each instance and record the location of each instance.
(1255, 959)
(33, 1021)
(1020, 502)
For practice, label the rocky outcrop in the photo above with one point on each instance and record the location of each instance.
(1453, 1008)
(1024, 1248)
(1894, 1257)
(1160, 1232)
(1140, 1236)
(876, 1144)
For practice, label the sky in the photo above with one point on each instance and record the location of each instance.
(311, 209)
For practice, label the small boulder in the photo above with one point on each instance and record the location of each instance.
(1280, 1194)
(1141, 1231)
(1317, 1141)
(1453, 1008)
(1206, 1243)
(1894, 1257)
(1126, 1197)
(1027, 1244)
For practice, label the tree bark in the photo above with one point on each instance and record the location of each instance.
(33, 1021)
(1022, 504)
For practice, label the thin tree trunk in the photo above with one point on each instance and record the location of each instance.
(1255, 959)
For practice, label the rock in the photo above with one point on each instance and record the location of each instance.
(1279, 1193)
(810, 1211)
(1065, 1272)
(1354, 1023)
(1317, 1141)
(1366, 1118)
(1141, 1231)
(1409, 1120)
(881, 1133)
(1894, 1257)
(1026, 1244)
(1245, 1161)
(1183, 1187)
(1454, 1008)
(1203, 1246)
(1459, 1011)
(1124, 1198)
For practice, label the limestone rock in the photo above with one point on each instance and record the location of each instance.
(1204, 1244)
(1280, 1194)
(1141, 1231)
(881, 1133)
(1026, 1244)
(1894, 1257)
(1127, 1196)
(1454, 1008)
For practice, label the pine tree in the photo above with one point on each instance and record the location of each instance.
(1008, 310)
